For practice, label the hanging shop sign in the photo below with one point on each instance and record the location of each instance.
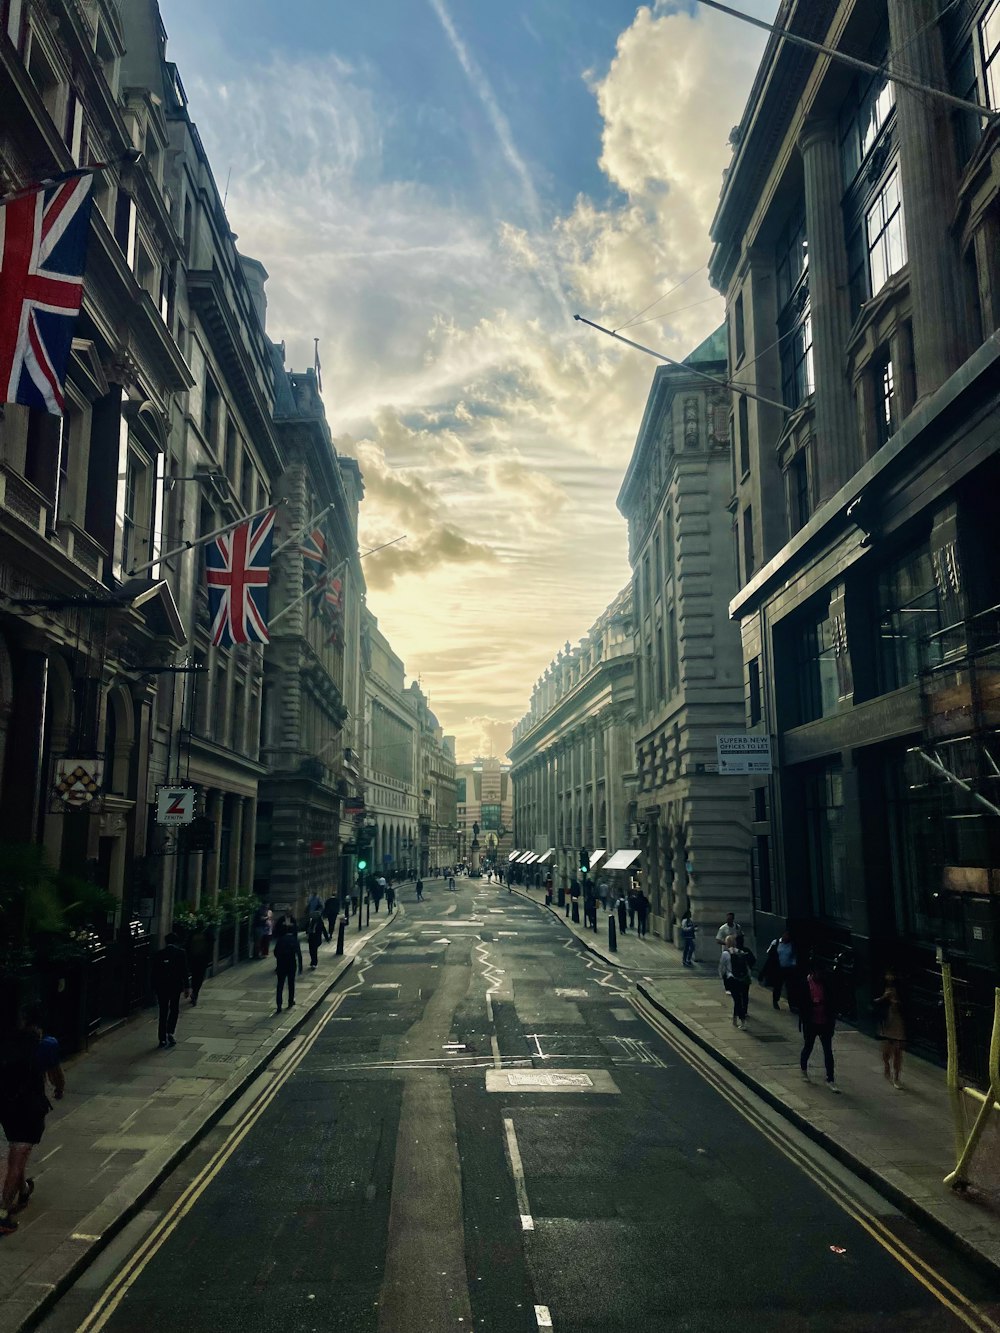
(78, 781)
(174, 805)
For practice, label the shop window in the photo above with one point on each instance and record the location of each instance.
(885, 233)
(920, 807)
(823, 790)
(909, 613)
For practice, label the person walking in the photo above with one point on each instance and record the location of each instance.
(420, 890)
(688, 932)
(314, 938)
(622, 908)
(331, 909)
(390, 897)
(263, 928)
(28, 1060)
(590, 907)
(729, 927)
(642, 906)
(631, 908)
(288, 961)
(200, 947)
(741, 962)
(378, 891)
(315, 903)
(170, 979)
(451, 882)
(780, 970)
(817, 1018)
(892, 1030)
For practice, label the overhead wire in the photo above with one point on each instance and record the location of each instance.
(662, 297)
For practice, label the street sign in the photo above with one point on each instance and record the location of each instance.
(387, 858)
(174, 805)
(740, 752)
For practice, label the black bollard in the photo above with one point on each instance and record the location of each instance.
(368, 911)
(576, 911)
(612, 935)
(567, 907)
(341, 925)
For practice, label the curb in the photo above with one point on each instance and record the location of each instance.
(75, 1271)
(910, 1207)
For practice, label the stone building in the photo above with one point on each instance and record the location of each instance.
(484, 801)
(572, 757)
(856, 243)
(312, 686)
(436, 788)
(391, 753)
(693, 823)
(83, 644)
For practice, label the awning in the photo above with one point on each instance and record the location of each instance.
(623, 859)
(523, 858)
(531, 858)
(513, 856)
(542, 859)
(599, 855)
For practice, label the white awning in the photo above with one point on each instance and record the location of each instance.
(623, 859)
(530, 858)
(513, 855)
(597, 856)
(542, 859)
(522, 858)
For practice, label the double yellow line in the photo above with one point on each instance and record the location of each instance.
(119, 1287)
(939, 1287)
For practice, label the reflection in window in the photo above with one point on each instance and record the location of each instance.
(989, 33)
(865, 113)
(909, 611)
(884, 229)
(825, 841)
(816, 676)
(795, 313)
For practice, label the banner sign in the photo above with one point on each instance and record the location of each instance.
(175, 805)
(740, 752)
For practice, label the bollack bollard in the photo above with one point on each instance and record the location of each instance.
(341, 926)
(576, 911)
(612, 935)
(368, 912)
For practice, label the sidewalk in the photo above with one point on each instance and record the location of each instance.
(899, 1141)
(132, 1112)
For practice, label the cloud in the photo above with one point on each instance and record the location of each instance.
(490, 428)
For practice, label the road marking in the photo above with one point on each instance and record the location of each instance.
(517, 1171)
(542, 1316)
(497, 1062)
(489, 1006)
(82, 1235)
(547, 1081)
(966, 1311)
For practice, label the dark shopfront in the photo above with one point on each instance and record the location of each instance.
(882, 822)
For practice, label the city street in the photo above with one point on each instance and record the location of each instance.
(478, 1128)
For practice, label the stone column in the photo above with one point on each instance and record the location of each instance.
(836, 419)
(595, 803)
(929, 175)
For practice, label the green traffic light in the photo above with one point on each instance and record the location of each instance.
(362, 863)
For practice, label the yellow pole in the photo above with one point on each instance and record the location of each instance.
(958, 1179)
(954, 1091)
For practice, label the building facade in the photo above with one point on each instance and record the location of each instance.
(573, 753)
(485, 813)
(856, 243)
(391, 754)
(694, 824)
(436, 789)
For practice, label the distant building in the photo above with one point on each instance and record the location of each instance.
(391, 754)
(693, 823)
(437, 789)
(573, 752)
(484, 798)
(856, 244)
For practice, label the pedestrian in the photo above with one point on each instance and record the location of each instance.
(631, 908)
(331, 910)
(314, 938)
(170, 979)
(263, 927)
(688, 932)
(642, 906)
(199, 951)
(28, 1060)
(621, 907)
(741, 961)
(315, 903)
(390, 897)
(780, 970)
(602, 892)
(892, 1030)
(420, 890)
(590, 907)
(817, 1018)
(451, 883)
(288, 961)
(729, 927)
(378, 890)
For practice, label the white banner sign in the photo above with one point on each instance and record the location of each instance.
(175, 805)
(742, 753)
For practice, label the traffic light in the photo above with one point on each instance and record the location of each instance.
(362, 862)
(584, 861)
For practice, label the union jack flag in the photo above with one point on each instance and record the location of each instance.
(334, 594)
(238, 567)
(315, 551)
(43, 250)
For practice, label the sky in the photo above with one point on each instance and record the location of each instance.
(436, 187)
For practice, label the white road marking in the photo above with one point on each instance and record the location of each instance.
(542, 1316)
(541, 1080)
(497, 1062)
(489, 1006)
(517, 1171)
(82, 1235)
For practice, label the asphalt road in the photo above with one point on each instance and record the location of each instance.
(478, 1130)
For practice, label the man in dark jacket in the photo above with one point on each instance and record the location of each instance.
(200, 947)
(170, 978)
(27, 1060)
(314, 938)
(331, 908)
(288, 959)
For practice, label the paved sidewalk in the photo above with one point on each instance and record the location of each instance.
(132, 1112)
(900, 1141)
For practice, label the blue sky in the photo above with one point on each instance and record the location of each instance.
(435, 187)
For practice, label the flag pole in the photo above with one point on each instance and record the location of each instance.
(300, 534)
(129, 159)
(310, 591)
(691, 370)
(200, 541)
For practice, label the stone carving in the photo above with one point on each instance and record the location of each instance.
(690, 423)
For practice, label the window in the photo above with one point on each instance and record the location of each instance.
(989, 36)
(673, 660)
(647, 588)
(247, 482)
(739, 333)
(75, 134)
(760, 872)
(817, 682)
(130, 512)
(909, 611)
(744, 413)
(825, 841)
(797, 492)
(865, 114)
(884, 230)
(658, 547)
(661, 675)
(753, 690)
(748, 560)
(124, 228)
(41, 451)
(211, 408)
(963, 83)
(232, 448)
(795, 311)
(43, 75)
(885, 398)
